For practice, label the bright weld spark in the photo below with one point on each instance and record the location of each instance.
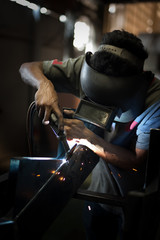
(134, 169)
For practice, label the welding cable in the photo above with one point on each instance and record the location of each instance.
(29, 126)
(30, 133)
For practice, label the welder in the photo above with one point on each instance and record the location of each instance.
(112, 76)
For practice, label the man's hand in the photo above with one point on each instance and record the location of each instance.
(74, 128)
(46, 100)
(77, 133)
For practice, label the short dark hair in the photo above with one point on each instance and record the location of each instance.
(112, 64)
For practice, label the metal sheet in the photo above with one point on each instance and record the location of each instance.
(49, 201)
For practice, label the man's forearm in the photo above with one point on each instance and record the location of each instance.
(116, 155)
(46, 97)
(32, 74)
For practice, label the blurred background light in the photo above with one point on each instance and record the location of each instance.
(81, 35)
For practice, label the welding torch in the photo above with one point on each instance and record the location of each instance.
(60, 135)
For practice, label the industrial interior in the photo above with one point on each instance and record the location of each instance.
(44, 30)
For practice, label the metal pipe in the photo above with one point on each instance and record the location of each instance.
(34, 219)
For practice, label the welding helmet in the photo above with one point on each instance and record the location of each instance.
(125, 93)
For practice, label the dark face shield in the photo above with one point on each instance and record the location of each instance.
(125, 94)
(96, 114)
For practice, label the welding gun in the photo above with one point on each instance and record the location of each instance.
(59, 133)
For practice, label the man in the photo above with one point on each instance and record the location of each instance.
(123, 150)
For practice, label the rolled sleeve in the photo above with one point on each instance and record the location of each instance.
(143, 141)
(65, 75)
(151, 121)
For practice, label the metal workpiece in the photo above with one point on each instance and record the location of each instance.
(41, 187)
(37, 215)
